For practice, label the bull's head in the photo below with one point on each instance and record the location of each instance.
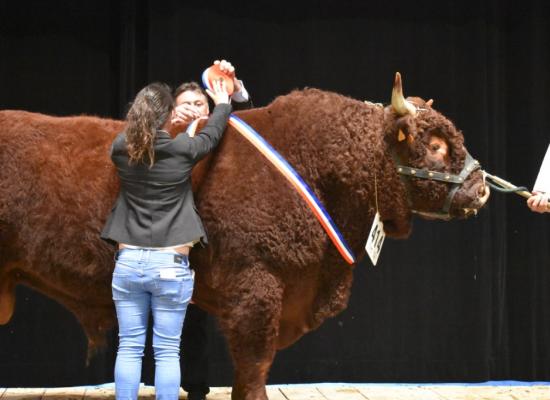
(442, 179)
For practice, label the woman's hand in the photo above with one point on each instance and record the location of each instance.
(219, 93)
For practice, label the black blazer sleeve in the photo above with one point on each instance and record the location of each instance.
(208, 137)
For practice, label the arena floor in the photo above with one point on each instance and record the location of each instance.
(324, 391)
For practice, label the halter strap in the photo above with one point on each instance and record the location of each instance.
(470, 165)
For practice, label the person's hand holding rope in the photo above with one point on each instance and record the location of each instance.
(539, 202)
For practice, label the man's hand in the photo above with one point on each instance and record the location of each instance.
(538, 202)
(229, 70)
(183, 115)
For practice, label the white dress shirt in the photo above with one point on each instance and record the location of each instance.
(240, 96)
(543, 179)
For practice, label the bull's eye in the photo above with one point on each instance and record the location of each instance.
(438, 152)
(438, 146)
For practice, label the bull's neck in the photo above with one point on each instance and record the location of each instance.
(347, 167)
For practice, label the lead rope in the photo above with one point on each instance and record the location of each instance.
(500, 185)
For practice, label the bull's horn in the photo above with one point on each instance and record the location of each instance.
(398, 102)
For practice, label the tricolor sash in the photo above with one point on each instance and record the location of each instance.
(294, 179)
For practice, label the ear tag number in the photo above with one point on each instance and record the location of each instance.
(376, 239)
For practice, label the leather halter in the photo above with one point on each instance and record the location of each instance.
(456, 180)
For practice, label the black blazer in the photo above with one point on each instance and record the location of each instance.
(155, 206)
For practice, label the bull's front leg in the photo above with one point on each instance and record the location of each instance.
(251, 326)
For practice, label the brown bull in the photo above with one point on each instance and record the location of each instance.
(270, 273)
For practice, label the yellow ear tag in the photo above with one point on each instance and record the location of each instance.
(401, 136)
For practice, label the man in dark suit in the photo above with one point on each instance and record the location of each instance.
(192, 103)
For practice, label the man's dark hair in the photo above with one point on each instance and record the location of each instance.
(189, 86)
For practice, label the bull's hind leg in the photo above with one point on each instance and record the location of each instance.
(7, 273)
(251, 326)
(7, 297)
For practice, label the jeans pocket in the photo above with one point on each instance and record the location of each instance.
(121, 286)
(174, 285)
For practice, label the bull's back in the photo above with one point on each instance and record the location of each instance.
(54, 171)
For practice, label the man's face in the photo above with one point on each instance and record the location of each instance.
(194, 100)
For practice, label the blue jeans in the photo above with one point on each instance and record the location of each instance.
(145, 280)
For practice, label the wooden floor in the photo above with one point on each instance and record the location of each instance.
(314, 392)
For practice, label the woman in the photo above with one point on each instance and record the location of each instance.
(155, 225)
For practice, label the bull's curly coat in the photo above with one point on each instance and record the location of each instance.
(57, 186)
(270, 273)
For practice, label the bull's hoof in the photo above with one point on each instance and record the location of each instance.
(259, 394)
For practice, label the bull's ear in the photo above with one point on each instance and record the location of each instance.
(400, 136)
(405, 130)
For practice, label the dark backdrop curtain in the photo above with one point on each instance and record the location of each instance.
(458, 301)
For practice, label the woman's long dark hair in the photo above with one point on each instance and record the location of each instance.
(149, 111)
